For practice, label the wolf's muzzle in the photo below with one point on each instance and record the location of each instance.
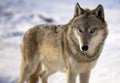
(84, 48)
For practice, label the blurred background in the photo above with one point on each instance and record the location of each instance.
(17, 16)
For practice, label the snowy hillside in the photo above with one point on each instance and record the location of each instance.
(17, 16)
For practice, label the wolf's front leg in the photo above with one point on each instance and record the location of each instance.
(84, 77)
(71, 77)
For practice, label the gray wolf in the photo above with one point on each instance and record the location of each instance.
(73, 48)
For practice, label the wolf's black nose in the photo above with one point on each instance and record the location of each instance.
(84, 47)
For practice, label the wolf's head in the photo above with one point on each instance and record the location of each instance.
(89, 27)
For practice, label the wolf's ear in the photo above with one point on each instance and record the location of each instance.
(78, 10)
(99, 12)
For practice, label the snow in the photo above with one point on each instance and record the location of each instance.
(17, 16)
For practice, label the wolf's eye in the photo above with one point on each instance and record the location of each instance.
(80, 30)
(93, 30)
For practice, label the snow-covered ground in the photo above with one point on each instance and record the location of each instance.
(17, 16)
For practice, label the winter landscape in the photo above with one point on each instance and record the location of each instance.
(17, 16)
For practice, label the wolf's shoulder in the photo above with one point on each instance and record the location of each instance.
(44, 29)
(49, 28)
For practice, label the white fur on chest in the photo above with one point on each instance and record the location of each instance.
(79, 67)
